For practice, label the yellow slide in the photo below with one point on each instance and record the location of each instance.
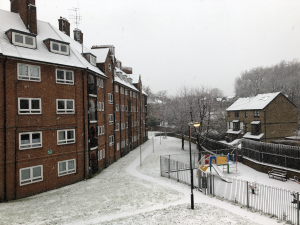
(203, 168)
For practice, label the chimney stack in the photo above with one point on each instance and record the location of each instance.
(78, 35)
(127, 69)
(27, 11)
(64, 25)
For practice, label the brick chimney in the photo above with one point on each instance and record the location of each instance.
(127, 69)
(64, 25)
(27, 11)
(78, 35)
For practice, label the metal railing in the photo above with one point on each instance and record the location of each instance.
(177, 167)
(273, 201)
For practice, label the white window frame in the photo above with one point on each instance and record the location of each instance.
(126, 124)
(100, 130)
(102, 106)
(126, 107)
(117, 107)
(30, 140)
(122, 90)
(31, 179)
(93, 60)
(111, 119)
(66, 141)
(126, 142)
(67, 171)
(110, 98)
(111, 140)
(59, 52)
(125, 91)
(31, 111)
(116, 88)
(65, 111)
(117, 126)
(29, 68)
(23, 44)
(101, 83)
(103, 155)
(100, 155)
(130, 93)
(64, 81)
(118, 146)
(99, 106)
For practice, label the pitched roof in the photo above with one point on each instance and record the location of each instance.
(100, 53)
(260, 101)
(10, 20)
(122, 81)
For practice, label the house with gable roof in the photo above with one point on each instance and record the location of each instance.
(265, 117)
(60, 117)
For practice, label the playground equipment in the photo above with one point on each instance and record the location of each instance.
(213, 161)
(295, 179)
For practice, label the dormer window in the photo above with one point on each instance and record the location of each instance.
(21, 38)
(57, 46)
(90, 58)
(93, 60)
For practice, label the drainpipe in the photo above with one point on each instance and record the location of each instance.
(114, 105)
(265, 125)
(4, 105)
(84, 117)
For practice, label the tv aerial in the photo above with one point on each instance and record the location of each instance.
(75, 16)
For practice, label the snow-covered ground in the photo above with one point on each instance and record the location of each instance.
(127, 193)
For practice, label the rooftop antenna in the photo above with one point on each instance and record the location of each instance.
(76, 18)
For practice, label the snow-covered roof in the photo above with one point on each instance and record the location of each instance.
(100, 53)
(10, 20)
(122, 81)
(257, 137)
(255, 122)
(144, 93)
(260, 101)
(231, 131)
(134, 77)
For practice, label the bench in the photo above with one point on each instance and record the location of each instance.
(277, 173)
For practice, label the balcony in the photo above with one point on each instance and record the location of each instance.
(93, 142)
(92, 89)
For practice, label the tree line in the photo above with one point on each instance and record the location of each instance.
(282, 77)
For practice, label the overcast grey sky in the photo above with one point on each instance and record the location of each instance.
(192, 42)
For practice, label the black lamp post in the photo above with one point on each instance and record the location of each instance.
(195, 124)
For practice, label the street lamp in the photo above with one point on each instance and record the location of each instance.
(194, 124)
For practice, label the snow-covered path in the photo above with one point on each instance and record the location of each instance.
(126, 193)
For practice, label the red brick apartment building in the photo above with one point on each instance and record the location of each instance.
(66, 111)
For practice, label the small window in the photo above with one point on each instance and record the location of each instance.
(100, 130)
(102, 106)
(126, 108)
(30, 106)
(99, 106)
(111, 118)
(31, 175)
(103, 153)
(110, 98)
(64, 77)
(130, 93)
(23, 40)
(236, 113)
(256, 113)
(126, 124)
(29, 72)
(98, 82)
(125, 91)
(100, 155)
(126, 141)
(59, 48)
(30, 140)
(65, 137)
(117, 107)
(109, 67)
(66, 167)
(117, 126)
(65, 106)
(111, 140)
(101, 83)
(93, 60)
(118, 146)
(116, 88)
